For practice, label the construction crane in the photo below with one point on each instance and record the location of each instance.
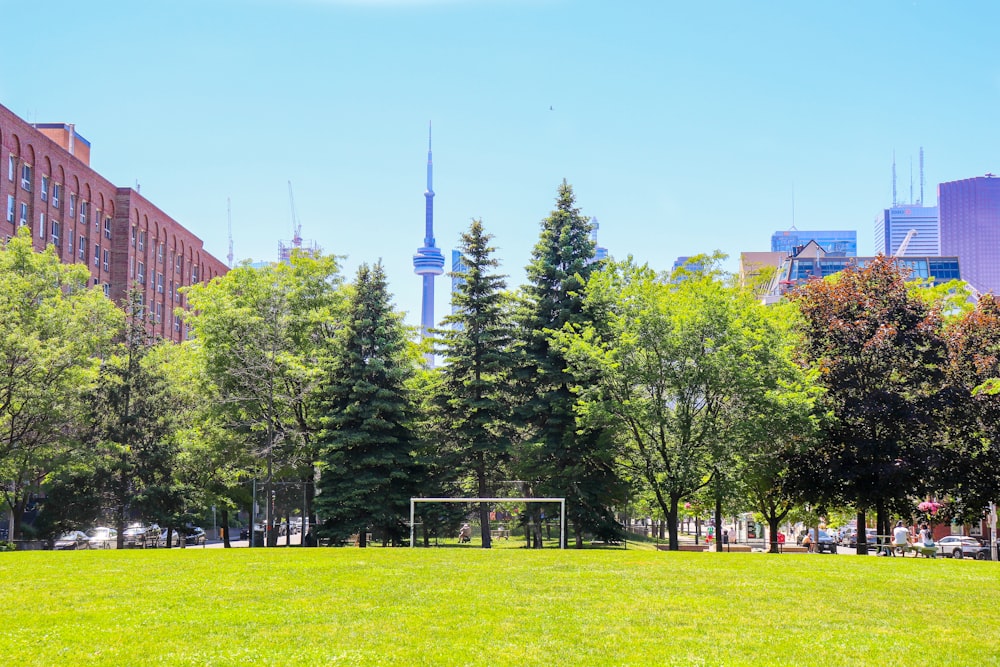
(906, 243)
(296, 226)
(229, 216)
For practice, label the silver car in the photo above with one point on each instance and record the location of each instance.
(74, 539)
(103, 538)
(960, 546)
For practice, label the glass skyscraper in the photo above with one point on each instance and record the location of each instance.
(836, 242)
(970, 228)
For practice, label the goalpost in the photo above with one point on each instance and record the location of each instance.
(561, 501)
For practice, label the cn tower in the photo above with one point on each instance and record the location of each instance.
(429, 260)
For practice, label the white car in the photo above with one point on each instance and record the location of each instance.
(103, 538)
(960, 546)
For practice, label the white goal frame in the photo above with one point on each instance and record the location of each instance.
(561, 501)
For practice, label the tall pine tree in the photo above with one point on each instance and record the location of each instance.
(477, 348)
(366, 444)
(562, 460)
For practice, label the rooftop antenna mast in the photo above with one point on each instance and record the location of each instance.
(921, 202)
(894, 179)
(911, 180)
(229, 216)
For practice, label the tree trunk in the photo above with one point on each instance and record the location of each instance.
(718, 523)
(862, 539)
(772, 529)
(363, 538)
(484, 508)
(673, 543)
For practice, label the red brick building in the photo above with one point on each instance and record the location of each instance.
(47, 184)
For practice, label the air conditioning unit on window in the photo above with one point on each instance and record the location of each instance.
(26, 184)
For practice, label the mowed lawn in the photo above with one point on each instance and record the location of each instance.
(467, 606)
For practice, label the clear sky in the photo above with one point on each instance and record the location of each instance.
(684, 127)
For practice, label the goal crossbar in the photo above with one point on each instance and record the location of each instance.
(561, 501)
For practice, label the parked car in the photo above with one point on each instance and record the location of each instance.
(103, 538)
(139, 535)
(960, 546)
(850, 538)
(194, 535)
(74, 539)
(174, 542)
(826, 544)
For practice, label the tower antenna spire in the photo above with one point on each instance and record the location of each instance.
(429, 260)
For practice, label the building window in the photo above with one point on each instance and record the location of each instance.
(107, 289)
(55, 233)
(107, 228)
(11, 167)
(10, 209)
(107, 259)
(26, 177)
(194, 274)
(142, 241)
(83, 213)
(45, 188)
(142, 273)
(56, 188)
(41, 225)
(159, 283)
(133, 236)
(159, 312)
(72, 206)
(97, 254)
(83, 248)
(69, 241)
(24, 215)
(177, 323)
(180, 262)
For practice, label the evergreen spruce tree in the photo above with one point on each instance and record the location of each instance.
(366, 443)
(565, 461)
(475, 402)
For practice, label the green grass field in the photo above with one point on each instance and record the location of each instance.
(462, 606)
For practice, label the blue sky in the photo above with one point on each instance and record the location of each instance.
(683, 127)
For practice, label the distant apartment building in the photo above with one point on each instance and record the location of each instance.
(970, 228)
(120, 236)
(834, 242)
(892, 228)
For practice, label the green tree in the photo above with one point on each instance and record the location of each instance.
(368, 471)
(773, 413)
(52, 333)
(478, 361)
(260, 334)
(564, 460)
(667, 362)
(880, 358)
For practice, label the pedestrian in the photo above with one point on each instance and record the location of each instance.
(725, 540)
(901, 538)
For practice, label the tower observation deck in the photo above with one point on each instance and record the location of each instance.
(428, 262)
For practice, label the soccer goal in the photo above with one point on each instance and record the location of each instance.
(561, 501)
